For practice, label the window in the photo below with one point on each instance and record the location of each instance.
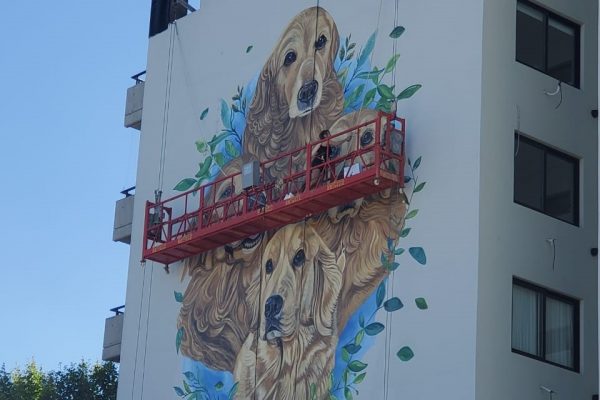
(545, 325)
(547, 42)
(546, 180)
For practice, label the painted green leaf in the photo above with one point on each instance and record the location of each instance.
(412, 213)
(232, 391)
(201, 146)
(369, 97)
(313, 391)
(419, 187)
(384, 260)
(393, 266)
(354, 95)
(351, 348)
(390, 243)
(357, 366)
(398, 252)
(405, 353)
(342, 53)
(184, 184)
(347, 394)
(178, 296)
(385, 92)
(204, 167)
(219, 385)
(384, 105)
(186, 387)
(418, 254)
(178, 339)
(367, 50)
(408, 92)
(405, 232)
(345, 376)
(397, 32)
(345, 355)
(361, 320)
(374, 329)
(204, 113)
(230, 149)
(374, 74)
(218, 139)
(417, 163)
(392, 63)
(220, 159)
(393, 304)
(225, 114)
(249, 49)
(179, 391)
(421, 303)
(380, 294)
(360, 378)
(359, 337)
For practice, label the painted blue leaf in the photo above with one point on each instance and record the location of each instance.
(417, 163)
(398, 252)
(405, 353)
(178, 339)
(367, 50)
(225, 114)
(393, 266)
(248, 49)
(361, 320)
(190, 376)
(390, 244)
(179, 391)
(407, 179)
(393, 304)
(204, 113)
(380, 293)
(178, 297)
(374, 329)
(352, 348)
(418, 254)
(397, 32)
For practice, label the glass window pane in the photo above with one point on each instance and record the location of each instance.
(560, 188)
(529, 174)
(526, 320)
(560, 332)
(561, 51)
(530, 36)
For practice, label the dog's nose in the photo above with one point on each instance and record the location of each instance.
(273, 306)
(307, 91)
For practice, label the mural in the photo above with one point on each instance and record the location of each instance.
(288, 314)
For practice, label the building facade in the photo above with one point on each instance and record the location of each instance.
(476, 280)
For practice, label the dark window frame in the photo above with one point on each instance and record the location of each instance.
(576, 27)
(519, 137)
(547, 293)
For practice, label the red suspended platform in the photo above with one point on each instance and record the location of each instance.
(330, 172)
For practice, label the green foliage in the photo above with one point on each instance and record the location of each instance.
(74, 382)
(405, 353)
(397, 32)
(178, 338)
(194, 389)
(421, 303)
(178, 296)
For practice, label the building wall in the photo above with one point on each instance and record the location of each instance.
(225, 45)
(512, 238)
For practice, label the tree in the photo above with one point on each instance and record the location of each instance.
(73, 382)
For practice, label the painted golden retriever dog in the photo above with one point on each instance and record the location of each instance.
(216, 316)
(297, 335)
(298, 94)
(361, 227)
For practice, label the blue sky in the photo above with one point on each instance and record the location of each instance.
(64, 158)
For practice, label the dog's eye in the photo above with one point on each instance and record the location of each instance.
(227, 192)
(290, 57)
(366, 138)
(269, 266)
(298, 260)
(320, 43)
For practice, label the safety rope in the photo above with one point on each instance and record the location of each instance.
(314, 69)
(166, 108)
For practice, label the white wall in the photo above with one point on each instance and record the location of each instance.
(512, 237)
(441, 49)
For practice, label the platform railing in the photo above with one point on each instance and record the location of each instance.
(347, 153)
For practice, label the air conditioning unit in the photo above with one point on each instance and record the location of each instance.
(113, 333)
(124, 217)
(134, 103)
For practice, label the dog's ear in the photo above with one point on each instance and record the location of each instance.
(327, 284)
(215, 316)
(267, 115)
